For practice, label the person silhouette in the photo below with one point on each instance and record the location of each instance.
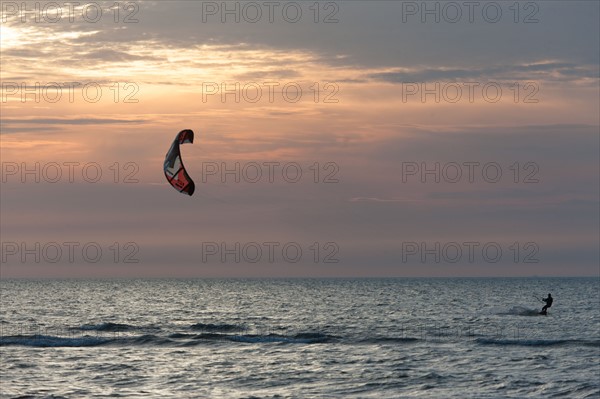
(548, 304)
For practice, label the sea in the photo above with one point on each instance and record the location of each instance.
(300, 338)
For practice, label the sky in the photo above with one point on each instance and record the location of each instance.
(332, 138)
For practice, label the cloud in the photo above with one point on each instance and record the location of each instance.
(6, 129)
(550, 71)
(109, 55)
(72, 121)
(268, 74)
(375, 38)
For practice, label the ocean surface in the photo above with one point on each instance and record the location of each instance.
(314, 338)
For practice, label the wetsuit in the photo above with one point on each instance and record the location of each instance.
(548, 303)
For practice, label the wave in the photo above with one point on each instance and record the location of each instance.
(217, 327)
(108, 327)
(538, 342)
(207, 338)
(306, 338)
(155, 340)
(389, 340)
(48, 341)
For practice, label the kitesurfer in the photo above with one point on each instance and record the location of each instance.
(548, 304)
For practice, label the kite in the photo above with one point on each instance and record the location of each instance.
(174, 170)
